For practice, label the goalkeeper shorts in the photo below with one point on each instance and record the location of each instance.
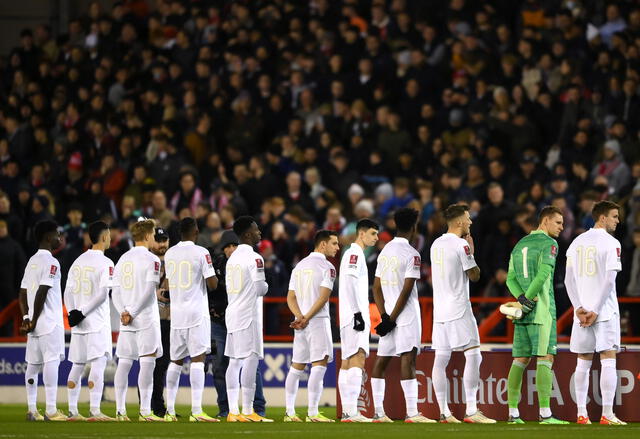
(534, 340)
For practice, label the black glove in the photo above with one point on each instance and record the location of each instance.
(527, 305)
(75, 316)
(386, 326)
(358, 322)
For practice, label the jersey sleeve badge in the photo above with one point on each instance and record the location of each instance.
(259, 264)
(156, 266)
(53, 271)
(554, 251)
(332, 273)
(416, 261)
(208, 258)
(467, 250)
(353, 261)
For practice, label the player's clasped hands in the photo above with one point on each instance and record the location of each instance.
(527, 304)
(125, 318)
(299, 323)
(586, 318)
(26, 326)
(386, 326)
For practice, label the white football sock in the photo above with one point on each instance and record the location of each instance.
(377, 390)
(121, 383)
(343, 389)
(314, 388)
(196, 378)
(74, 384)
(248, 383)
(608, 383)
(410, 390)
(545, 412)
(96, 383)
(31, 384)
(514, 412)
(232, 380)
(50, 380)
(471, 379)
(581, 385)
(145, 383)
(291, 389)
(439, 378)
(173, 383)
(354, 382)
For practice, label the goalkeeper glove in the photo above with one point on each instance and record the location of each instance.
(75, 316)
(358, 322)
(527, 305)
(386, 326)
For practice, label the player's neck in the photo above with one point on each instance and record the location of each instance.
(407, 236)
(45, 247)
(456, 231)
(599, 226)
(361, 244)
(142, 244)
(540, 229)
(98, 247)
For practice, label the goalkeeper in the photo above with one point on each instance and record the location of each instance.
(530, 280)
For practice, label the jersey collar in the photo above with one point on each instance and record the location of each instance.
(400, 239)
(184, 243)
(537, 232)
(44, 251)
(318, 255)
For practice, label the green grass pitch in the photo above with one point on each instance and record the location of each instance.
(13, 425)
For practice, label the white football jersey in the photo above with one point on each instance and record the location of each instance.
(44, 269)
(244, 268)
(188, 266)
(308, 276)
(396, 262)
(451, 257)
(591, 255)
(90, 273)
(353, 271)
(134, 270)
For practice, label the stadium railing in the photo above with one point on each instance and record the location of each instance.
(493, 322)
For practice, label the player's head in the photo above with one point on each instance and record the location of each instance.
(406, 220)
(606, 214)
(550, 221)
(99, 233)
(367, 232)
(247, 230)
(160, 242)
(188, 229)
(457, 217)
(142, 232)
(326, 242)
(47, 234)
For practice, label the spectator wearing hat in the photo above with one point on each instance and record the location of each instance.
(217, 306)
(613, 167)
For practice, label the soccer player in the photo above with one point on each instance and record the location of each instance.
(246, 286)
(394, 289)
(41, 306)
(189, 272)
(593, 261)
(135, 280)
(308, 299)
(353, 290)
(86, 297)
(454, 326)
(530, 280)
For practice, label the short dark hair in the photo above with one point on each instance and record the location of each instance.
(242, 225)
(95, 230)
(603, 208)
(366, 224)
(454, 211)
(43, 228)
(187, 226)
(323, 236)
(548, 211)
(405, 219)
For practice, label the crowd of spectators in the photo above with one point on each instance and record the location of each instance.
(314, 114)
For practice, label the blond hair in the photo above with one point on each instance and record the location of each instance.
(141, 229)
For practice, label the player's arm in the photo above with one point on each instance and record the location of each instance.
(38, 303)
(378, 297)
(407, 287)
(24, 308)
(512, 281)
(257, 276)
(465, 253)
(571, 285)
(208, 271)
(292, 303)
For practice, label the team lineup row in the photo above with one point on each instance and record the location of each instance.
(593, 260)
